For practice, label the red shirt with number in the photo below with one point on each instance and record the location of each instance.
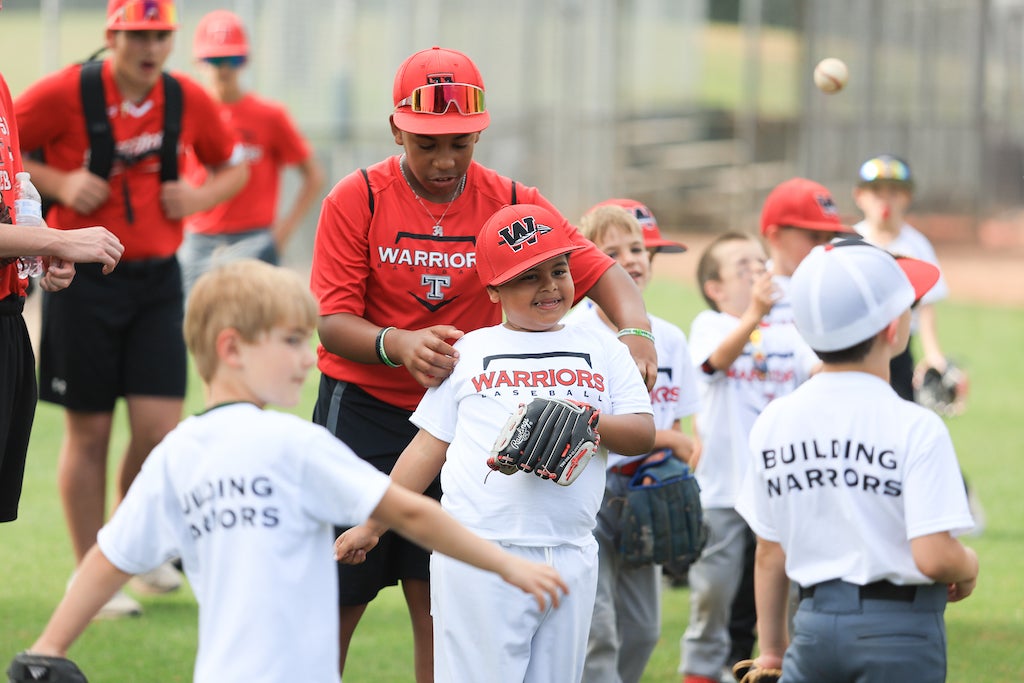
(51, 118)
(270, 141)
(10, 164)
(394, 268)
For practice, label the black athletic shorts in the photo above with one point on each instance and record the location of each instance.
(108, 336)
(378, 433)
(17, 403)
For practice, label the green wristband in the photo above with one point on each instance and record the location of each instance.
(381, 353)
(638, 331)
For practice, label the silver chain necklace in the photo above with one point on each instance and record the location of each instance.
(438, 230)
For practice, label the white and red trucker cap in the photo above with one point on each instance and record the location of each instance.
(518, 237)
(846, 292)
(434, 67)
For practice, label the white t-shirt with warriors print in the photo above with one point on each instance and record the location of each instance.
(248, 498)
(773, 363)
(498, 369)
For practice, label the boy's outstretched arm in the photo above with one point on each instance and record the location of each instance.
(419, 464)
(621, 300)
(421, 520)
(93, 585)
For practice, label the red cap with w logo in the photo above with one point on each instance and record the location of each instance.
(517, 238)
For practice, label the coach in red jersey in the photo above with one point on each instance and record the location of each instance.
(394, 268)
(104, 338)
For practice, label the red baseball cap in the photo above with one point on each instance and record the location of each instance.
(652, 235)
(518, 237)
(142, 15)
(801, 203)
(439, 92)
(220, 34)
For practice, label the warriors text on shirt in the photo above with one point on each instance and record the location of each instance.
(804, 466)
(230, 503)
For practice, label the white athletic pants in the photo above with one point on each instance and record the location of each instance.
(488, 631)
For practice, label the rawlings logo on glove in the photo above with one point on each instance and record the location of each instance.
(553, 438)
(27, 668)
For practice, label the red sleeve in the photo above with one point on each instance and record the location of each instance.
(341, 261)
(211, 138)
(290, 147)
(587, 265)
(43, 110)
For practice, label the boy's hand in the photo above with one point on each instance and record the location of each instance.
(763, 294)
(351, 547)
(540, 580)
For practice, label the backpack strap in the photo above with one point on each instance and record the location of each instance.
(514, 201)
(101, 136)
(172, 128)
(94, 106)
(369, 190)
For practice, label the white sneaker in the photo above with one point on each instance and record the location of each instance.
(163, 579)
(120, 606)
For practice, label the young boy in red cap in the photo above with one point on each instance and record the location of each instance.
(524, 257)
(107, 337)
(394, 270)
(248, 225)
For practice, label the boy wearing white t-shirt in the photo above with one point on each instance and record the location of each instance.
(744, 361)
(247, 498)
(854, 493)
(627, 613)
(481, 630)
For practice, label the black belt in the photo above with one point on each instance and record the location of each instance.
(879, 590)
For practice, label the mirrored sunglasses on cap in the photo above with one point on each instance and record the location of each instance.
(156, 11)
(885, 168)
(234, 61)
(437, 98)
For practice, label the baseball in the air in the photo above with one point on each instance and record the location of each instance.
(830, 75)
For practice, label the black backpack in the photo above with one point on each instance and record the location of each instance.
(101, 137)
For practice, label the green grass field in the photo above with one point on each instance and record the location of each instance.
(984, 631)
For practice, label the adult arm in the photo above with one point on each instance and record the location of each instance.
(312, 183)
(621, 300)
(179, 199)
(425, 353)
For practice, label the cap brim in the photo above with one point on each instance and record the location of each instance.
(523, 266)
(450, 123)
(221, 52)
(922, 275)
(822, 226)
(665, 246)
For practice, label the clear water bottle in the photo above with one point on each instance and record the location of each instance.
(28, 206)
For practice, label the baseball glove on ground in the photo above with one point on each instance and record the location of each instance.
(661, 520)
(553, 438)
(29, 668)
(944, 392)
(745, 672)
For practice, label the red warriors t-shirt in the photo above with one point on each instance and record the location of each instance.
(271, 141)
(10, 164)
(396, 269)
(50, 118)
